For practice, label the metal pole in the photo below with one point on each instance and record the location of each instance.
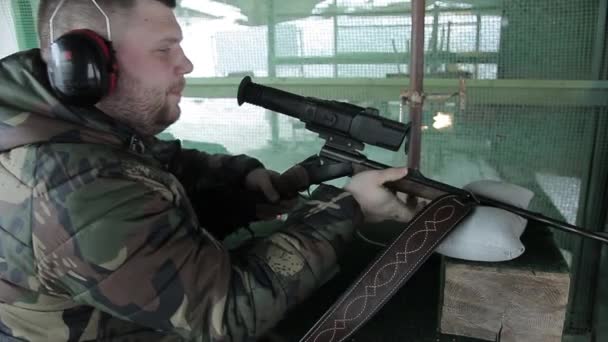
(477, 43)
(599, 46)
(336, 33)
(600, 67)
(271, 39)
(272, 69)
(416, 98)
(434, 62)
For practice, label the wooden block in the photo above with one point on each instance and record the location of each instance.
(520, 300)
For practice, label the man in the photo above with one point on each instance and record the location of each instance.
(105, 230)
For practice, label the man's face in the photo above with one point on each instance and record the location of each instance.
(151, 65)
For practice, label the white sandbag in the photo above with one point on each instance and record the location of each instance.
(490, 234)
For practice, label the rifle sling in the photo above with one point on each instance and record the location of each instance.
(390, 270)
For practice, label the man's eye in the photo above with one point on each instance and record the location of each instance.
(164, 50)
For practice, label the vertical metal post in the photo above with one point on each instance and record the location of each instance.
(416, 97)
(434, 46)
(272, 72)
(272, 69)
(477, 43)
(335, 16)
(600, 68)
(587, 310)
(601, 311)
(449, 38)
(599, 49)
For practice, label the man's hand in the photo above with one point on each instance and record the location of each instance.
(377, 202)
(263, 181)
(260, 180)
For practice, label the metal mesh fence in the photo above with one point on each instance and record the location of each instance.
(534, 140)
(8, 35)
(542, 136)
(531, 111)
(540, 146)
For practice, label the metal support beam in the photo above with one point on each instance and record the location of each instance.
(434, 45)
(394, 11)
(478, 43)
(601, 311)
(391, 57)
(272, 68)
(415, 97)
(586, 257)
(583, 306)
(601, 34)
(479, 92)
(336, 37)
(271, 39)
(600, 68)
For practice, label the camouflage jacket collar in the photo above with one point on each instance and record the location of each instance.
(30, 112)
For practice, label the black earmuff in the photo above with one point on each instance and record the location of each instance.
(82, 68)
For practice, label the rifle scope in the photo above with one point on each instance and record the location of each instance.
(327, 117)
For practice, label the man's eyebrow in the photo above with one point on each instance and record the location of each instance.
(171, 40)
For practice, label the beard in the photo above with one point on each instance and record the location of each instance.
(144, 109)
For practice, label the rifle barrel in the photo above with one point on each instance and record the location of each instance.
(418, 185)
(538, 217)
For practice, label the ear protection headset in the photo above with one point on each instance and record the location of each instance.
(82, 68)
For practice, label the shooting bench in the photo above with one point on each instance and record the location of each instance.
(523, 299)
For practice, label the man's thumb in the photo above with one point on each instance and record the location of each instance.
(268, 189)
(392, 174)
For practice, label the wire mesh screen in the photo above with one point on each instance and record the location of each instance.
(518, 121)
(548, 40)
(528, 111)
(536, 141)
(8, 36)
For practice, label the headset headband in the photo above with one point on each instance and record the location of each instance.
(96, 5)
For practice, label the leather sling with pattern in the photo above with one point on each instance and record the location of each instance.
(391, 269)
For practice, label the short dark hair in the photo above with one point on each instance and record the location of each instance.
(76, 13)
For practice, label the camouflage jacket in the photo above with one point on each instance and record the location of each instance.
(99, 241)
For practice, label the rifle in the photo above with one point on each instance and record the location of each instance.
(346, 129)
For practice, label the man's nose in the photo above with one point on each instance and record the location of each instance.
(185, 66)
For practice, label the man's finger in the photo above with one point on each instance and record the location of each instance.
(268, 189)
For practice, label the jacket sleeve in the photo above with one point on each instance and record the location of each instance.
(134, 250)
(215, 184)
